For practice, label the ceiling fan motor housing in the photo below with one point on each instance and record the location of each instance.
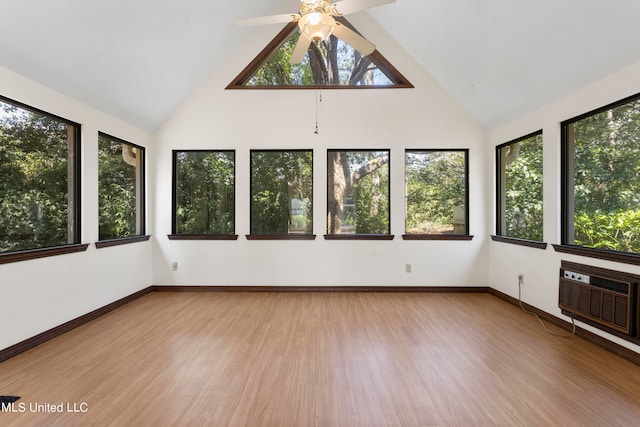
(316, 19)
(319, 6)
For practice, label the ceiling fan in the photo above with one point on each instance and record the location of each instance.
(316, 21)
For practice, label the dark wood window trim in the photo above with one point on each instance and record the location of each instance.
(202, 236)
(437, 237)
(358, 237)
(623, 257)
(566, 196)
(75, 194)
(269, 234)
(521, 242)
(500, 191)
(376, 57)
(141, 224)
(466, 236)
(280, 236)
(121, 241)
(30, 254)
(174, 201)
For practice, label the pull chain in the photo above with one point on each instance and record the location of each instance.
(318, 100)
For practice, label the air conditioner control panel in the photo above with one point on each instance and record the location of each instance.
(579, 277)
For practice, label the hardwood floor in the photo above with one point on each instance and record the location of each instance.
(320, 359)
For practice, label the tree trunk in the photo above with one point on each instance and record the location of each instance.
(360, 69)
(341, 181)
(337, 178)
(318, 66)
(333, 70)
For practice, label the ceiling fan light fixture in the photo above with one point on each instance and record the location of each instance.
(317, 26)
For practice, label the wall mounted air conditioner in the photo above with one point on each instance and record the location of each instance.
(604, 298)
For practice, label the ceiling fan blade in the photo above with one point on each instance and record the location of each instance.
(300, 50)
(346, 7)
(266, 20)
(354, 39)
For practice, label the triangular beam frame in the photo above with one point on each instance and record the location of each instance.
(376, 58)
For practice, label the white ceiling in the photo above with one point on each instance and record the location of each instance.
(139, 59)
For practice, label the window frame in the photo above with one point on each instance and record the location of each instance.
(359, 236)
(239, 82)
(427, 236)
(566, 178)
(278, 236)
(74, 194)
(141, 216)
(500, 236)
(174, 199)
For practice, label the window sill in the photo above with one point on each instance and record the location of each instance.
(627, 258)
(202, 236)
(30, 254)
(437, 237)
(122, 241)
(358, 237)
(281, 237)
(521, 242)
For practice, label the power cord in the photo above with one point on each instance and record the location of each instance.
(573, 322)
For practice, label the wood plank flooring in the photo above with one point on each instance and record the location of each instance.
(320, 359)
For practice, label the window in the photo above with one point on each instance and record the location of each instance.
(282, 193)
(121, 188)
(204, 194)
(39, 181)
(601, 179)
(358, 192)
(519, 188)
(327, 63)
(436, 193)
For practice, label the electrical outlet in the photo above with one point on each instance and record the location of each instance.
(174, 266)
(407, 268)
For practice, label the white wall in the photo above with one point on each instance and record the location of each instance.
(424, 117)
(38, 295)
(541, 267)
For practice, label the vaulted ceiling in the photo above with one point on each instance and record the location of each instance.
(139, 59)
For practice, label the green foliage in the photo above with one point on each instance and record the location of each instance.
(523, 190)
(277, 71)
(117, 187)
(612, 230)
(281, 192)
(607, 179)
(330, 62)
(205, 192)
(371, 195)
(436, 182)
(34, 208)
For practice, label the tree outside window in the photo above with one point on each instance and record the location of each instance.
(436, 192)
(330, 62)
(519, 188)
(121, 188)
(281, 192)
(204, 192)
(39, 179)
(601, 178)
(358, 192)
